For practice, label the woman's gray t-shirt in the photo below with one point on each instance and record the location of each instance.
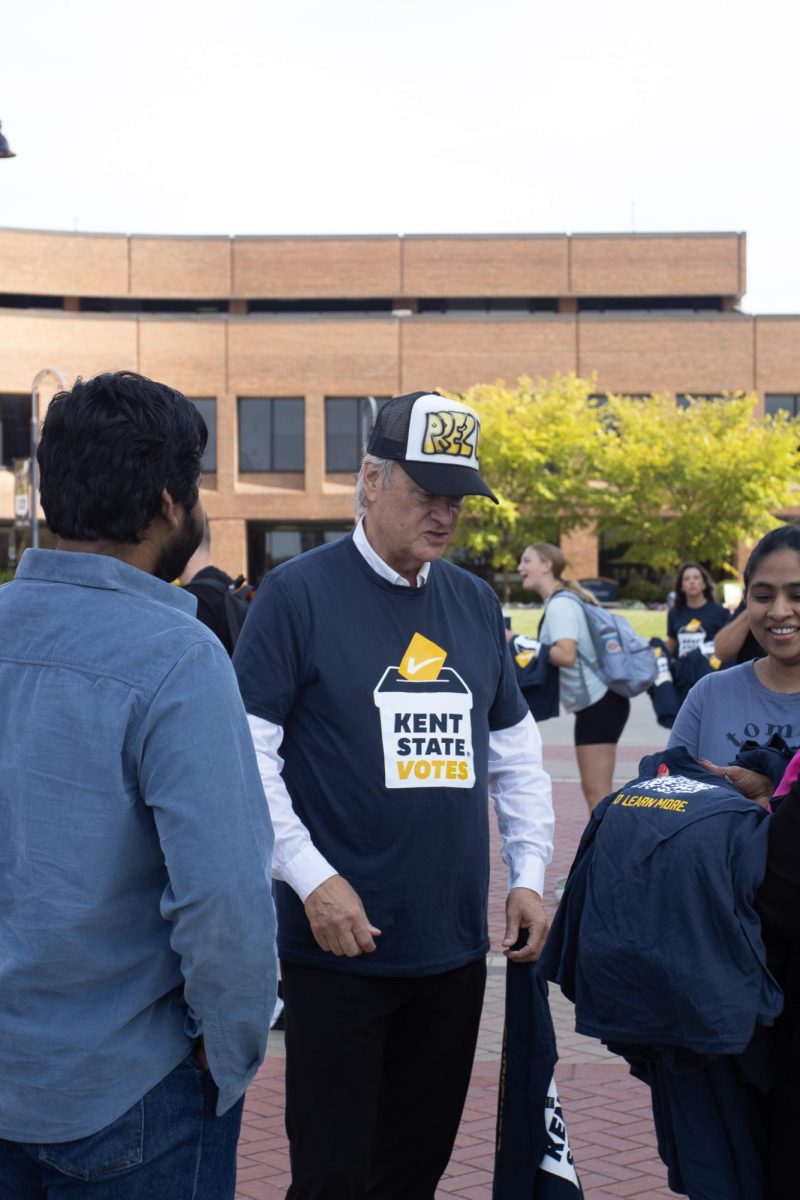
(730, 707)
(579, 685)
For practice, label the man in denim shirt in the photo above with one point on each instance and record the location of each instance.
(137, 932)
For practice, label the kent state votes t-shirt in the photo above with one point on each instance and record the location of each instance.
(386, 695)
(693, 627)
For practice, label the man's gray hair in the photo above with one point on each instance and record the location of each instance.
(384, 465)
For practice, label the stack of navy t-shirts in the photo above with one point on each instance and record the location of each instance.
(658, 943)
(662, 691)
(693, 666)
(537, 677)
(533, 1157)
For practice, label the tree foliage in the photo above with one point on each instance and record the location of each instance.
(715, 469)
(538, 452)
(672, 482)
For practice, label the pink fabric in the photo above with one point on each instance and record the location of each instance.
(789, 775)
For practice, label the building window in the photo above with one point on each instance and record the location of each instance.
(269, 545)
(775, 402)
(685, 399)
(208, 411)
(271, 434)
(348, 424)
(15, 429)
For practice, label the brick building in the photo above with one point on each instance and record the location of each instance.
(282, 340)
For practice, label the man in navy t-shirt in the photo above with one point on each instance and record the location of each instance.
(384, 708)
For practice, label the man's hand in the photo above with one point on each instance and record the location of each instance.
(524, 910)
(338, 920)
(750, 783)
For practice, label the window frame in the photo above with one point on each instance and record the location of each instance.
(273, 468)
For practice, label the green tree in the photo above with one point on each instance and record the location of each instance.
(689, 482)
(538, 452)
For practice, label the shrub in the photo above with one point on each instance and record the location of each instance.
(643, 590)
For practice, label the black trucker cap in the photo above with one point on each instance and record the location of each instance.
(436, 441)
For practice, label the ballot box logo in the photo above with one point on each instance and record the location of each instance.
(425, 710)
(691, 636)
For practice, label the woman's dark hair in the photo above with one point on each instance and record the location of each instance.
(109, 448)
(708, 584)
(785, 537)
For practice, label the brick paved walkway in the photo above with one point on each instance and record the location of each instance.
(607, 1113)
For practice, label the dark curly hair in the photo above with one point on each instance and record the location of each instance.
(109, 448)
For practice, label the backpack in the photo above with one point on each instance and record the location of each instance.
(626, 662)
(236, 605)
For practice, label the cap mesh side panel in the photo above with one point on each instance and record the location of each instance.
(391, 429)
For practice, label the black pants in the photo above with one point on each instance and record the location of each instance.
(377, 1071)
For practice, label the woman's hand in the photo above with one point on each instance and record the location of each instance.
(749, 783)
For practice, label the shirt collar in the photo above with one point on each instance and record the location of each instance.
(379, 566)
(101, 571)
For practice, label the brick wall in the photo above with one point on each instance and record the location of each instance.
(656, 266)
(291, 357)
(179, 267)
(293, 267)
(54, 264)
(700, 355)
(581, 551)
(455, 354)
(318, 267)
(475, 266)
(777, 354)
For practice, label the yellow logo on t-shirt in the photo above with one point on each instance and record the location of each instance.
(423, 660)
(524, 657)
(426, 721)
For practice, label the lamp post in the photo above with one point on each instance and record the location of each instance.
(62, 384)
(5, 149)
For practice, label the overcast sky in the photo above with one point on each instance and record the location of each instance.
(367, 116)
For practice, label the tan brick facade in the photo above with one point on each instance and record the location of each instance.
(168, 266)
(236, 353)
(470, 265)
(702, 355)
(657, 266)
(490, 266)
(299, 267)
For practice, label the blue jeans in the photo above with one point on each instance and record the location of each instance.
(169, 1146)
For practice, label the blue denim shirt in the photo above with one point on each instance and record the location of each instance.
(135, 846)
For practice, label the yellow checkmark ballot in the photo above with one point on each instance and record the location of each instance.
(423, 660)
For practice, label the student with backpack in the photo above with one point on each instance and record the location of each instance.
(221, 602)
(601, 662)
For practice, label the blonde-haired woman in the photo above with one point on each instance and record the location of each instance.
(600, 714)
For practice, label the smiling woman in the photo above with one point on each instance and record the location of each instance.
(758, 699)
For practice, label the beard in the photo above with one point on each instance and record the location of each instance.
(176, 553)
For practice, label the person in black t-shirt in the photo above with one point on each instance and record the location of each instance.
(696, 617)
(211, 601)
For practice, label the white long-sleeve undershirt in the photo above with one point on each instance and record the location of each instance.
(518, 784)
